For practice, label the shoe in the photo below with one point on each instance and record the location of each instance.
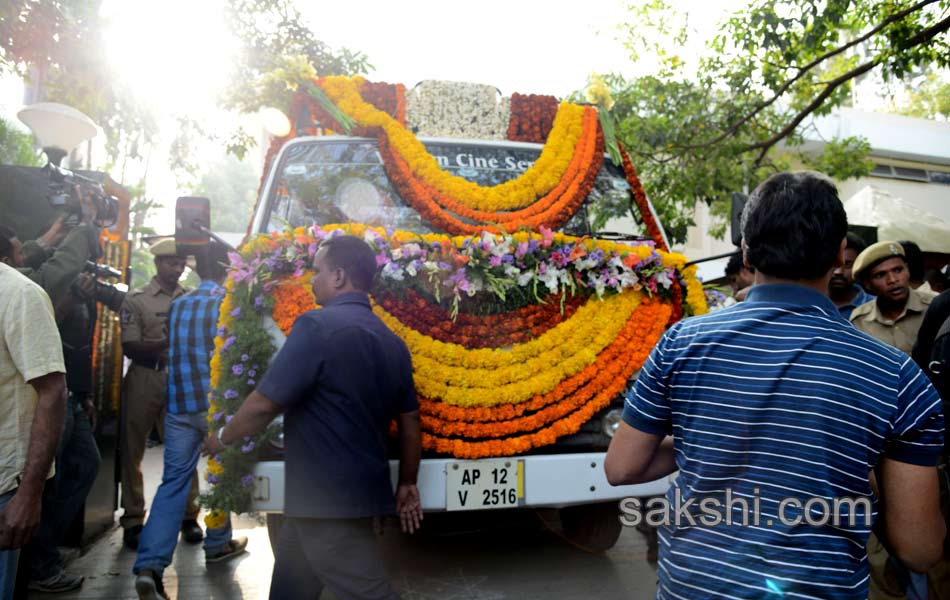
(234, 548)
(130, 537)
(191, 532)
(148, 585)
(57, 583)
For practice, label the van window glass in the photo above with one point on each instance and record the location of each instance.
(337, 181)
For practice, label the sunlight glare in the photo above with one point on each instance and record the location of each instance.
(173, 54)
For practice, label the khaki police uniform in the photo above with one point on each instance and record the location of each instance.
(901, 333)
(144, 317)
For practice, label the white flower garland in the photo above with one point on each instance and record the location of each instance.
(457, 110)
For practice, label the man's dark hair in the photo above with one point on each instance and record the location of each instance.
(914, 258)
(354, 256)
(856, 243)
(211, 262)
(734, 265)
(6, 242)
(793, 225)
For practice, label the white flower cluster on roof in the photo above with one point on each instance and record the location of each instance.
(457, 110)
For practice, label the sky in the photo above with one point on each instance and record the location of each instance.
(530, 46)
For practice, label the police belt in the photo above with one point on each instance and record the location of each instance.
(156, 365)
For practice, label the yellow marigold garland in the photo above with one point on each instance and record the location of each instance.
(536, 181)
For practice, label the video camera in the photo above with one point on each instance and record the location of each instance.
(106, 293)
(63, 194)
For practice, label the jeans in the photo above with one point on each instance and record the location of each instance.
(183, 437)
(8, 558)
(77, 464)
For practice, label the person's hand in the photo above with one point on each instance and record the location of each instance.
(89, 407)
(85, 286)
(90, 212)
(212, 445)
(55, 234)
(409, 507)
(741, 294)
(19, 520)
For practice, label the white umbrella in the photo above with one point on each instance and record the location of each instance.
(897, 219)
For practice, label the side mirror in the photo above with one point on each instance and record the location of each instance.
(735, 217)
(192, 223)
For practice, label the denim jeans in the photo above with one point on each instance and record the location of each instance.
(8, 558)
(77, 464)
(183, 437)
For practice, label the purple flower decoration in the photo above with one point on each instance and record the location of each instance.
(382, 259)
(221, 331)
(248, 447)
(211, 477)
(258, 302)
(252, 372)
(250, 382)
(228, 342)
(245, 358)
(494, 261)
(312, 249)
(247, 480)
(217, 416)
(230, 394)
(227, 419)
(236, 312)
(237, 369)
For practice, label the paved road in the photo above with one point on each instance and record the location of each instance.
(455, 557)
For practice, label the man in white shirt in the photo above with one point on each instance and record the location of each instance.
(32, 410)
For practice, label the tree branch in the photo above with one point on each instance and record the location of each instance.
(830, 87)
(732, 129)
(927, 34)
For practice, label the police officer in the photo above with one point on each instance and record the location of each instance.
(896, 313)
(145, 341)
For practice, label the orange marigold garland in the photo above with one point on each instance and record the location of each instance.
(479, 331)
(531, 117)
(292, 298)
(640, 197)
(552, 211)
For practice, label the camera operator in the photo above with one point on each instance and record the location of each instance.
(59, 270)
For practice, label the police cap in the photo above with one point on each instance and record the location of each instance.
(874, 254)
(165, 247)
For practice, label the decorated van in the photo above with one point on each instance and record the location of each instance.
(520, 261)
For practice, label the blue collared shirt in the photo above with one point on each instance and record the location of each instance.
(860, 298)
(778, 397)
(192, 325)
(342, 376)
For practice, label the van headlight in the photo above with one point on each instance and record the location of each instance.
(611, 421)
(278, 440)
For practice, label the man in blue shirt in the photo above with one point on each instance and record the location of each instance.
(845, 293)
(341, 378)
(192, 325)
(775, 412)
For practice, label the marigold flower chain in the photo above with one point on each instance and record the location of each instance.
(535, 182)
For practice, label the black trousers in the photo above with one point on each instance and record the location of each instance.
(340, 554)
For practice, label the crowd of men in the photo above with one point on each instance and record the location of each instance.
(804, 391)
(51, 459)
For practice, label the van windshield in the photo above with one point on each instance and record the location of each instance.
(336, 181)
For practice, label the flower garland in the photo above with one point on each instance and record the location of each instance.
(551, 211)
(457, 110)
(532, 116)
(517, 193)
(475, 400)
(640, 198)
(479, 331)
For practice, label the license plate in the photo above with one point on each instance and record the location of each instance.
(481, 484)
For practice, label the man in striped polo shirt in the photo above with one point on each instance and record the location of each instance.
(192, 325)
(779, 410)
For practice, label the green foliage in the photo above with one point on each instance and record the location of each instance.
(16, 147)
(928, 99)
(278, 51)
(231, 186)
(698, 132)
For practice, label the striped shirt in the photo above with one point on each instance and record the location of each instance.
(192, 325)
(778, 397)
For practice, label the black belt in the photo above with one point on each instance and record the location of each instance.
(157, 365)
